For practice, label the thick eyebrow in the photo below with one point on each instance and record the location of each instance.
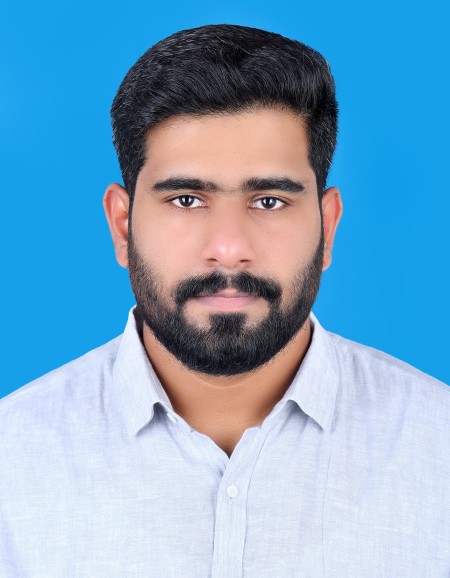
(184, 183)
(273, 184)
(253, 184)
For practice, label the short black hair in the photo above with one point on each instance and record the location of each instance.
(224, 68)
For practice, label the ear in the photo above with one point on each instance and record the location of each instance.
(116, 202)
(332, 212)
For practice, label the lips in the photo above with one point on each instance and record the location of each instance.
(227, 299)
(231, 293)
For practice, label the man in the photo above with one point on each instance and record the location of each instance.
(226, 433)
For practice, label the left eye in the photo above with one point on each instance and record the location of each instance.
(269, 202)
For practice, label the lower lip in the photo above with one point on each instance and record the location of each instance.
(227, 303)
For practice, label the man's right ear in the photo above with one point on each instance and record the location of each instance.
(116, 203)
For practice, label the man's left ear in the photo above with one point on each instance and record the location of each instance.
(332, 212)
(116, 203)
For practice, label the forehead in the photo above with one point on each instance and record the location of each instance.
(263, 140)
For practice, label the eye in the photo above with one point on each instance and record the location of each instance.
(270, 202)
(186, 201)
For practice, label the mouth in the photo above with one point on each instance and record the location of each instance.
(227, 300)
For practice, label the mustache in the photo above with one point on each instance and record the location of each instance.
(243, 281)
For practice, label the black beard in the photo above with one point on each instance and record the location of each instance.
(227, 347)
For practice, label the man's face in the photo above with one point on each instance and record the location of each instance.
(226, 203)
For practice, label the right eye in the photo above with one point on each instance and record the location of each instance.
(186, 202)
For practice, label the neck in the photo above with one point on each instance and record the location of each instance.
(226, 404)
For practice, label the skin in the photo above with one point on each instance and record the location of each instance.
(227, 231)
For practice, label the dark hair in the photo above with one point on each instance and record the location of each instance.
(224, 68)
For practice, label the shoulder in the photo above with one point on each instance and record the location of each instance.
(371, 378)
(77, 380)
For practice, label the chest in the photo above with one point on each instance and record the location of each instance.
(288, 503)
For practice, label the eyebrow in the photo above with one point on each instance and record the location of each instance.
(250, 185)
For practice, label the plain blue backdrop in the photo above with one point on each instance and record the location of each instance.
(63, 292)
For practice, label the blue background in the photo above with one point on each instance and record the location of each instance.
(63, 292)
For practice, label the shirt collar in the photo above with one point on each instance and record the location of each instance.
(315, 385)
(136, 383)
(138, 388)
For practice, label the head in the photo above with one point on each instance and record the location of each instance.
(225, 136)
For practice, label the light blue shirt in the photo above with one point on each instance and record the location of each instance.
(348, 476)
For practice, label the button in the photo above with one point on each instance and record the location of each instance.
(232, 491)
(172, 418)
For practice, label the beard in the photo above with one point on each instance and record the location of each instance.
(227, 347)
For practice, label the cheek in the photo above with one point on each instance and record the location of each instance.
(294, 244)
(164, 248)
(294, 253)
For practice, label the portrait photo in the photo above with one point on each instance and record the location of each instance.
(226, 290)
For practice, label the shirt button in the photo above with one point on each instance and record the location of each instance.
(172, 417)
(232, 491)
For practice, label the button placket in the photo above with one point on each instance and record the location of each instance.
(231, 508)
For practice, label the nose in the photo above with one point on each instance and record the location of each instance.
(228, 236)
